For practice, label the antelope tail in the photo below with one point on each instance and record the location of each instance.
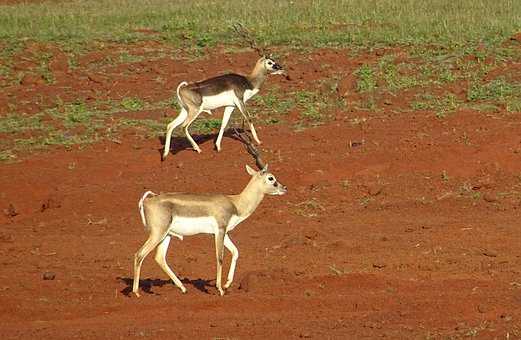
(142, 209)
(184, 83)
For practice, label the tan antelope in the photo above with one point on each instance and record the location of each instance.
(177, 214)
(229, 91)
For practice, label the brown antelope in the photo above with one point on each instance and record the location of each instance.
(228, 91)
(176, 214)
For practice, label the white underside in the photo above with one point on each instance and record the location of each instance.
(222, 99)
(188, 226)
(227, 98)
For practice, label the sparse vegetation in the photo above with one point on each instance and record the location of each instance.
(304, 23)
(366, 79)
(132, 104)
(442, 106)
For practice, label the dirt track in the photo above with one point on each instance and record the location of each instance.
(412, 231)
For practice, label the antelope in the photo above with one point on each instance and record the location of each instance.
(229, 91)
(181, 214)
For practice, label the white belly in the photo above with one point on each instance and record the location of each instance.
(249, 93)
(219, 100)
(187, 226)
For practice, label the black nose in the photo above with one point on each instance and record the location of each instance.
(277, 67)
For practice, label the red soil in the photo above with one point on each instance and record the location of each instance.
(371, 240)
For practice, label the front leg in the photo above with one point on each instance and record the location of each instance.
(219, 252)
(240, 104)
(226, 117)
(235, 255)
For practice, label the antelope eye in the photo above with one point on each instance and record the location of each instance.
(270, 62)
(270, 179)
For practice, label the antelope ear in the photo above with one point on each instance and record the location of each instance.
(250, 170)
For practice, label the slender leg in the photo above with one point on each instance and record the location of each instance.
(219, 252)
(152, 241)
(254, 133)
(235, 255)
(170, 129)
(226, 117)
(161, 260)
(246, 116)
(186, 126)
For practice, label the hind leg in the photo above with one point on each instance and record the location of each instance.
(153, 240)
(161, 260)
(192, 116)
(170, 129)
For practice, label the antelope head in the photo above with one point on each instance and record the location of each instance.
(267, 181)
(271, 66)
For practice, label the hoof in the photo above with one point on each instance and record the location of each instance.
(183, 290)
(137, 294)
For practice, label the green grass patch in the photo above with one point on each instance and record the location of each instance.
(441, 106)
(132, 104)
(312, 23)
(366, 79)
(205, 126)
(495, 93)
(20, 122)
(497, 89)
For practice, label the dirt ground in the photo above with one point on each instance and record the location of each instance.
(401, 226)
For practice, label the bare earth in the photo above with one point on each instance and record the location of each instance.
(372, 240)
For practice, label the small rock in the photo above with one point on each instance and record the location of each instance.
(10, 211)
(50, 203)
(249, 281)
(311, 234)
(338, 244)
(32, 79)
(516, 37)
(49, 276)
(489, 253)
(490, 198)
(95, 78)
(374, 189)
(482, 308)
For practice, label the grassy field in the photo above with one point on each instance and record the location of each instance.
(448, 44)
(302, 23)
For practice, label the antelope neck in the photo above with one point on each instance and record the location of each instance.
(248, 200)
(257, 76)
